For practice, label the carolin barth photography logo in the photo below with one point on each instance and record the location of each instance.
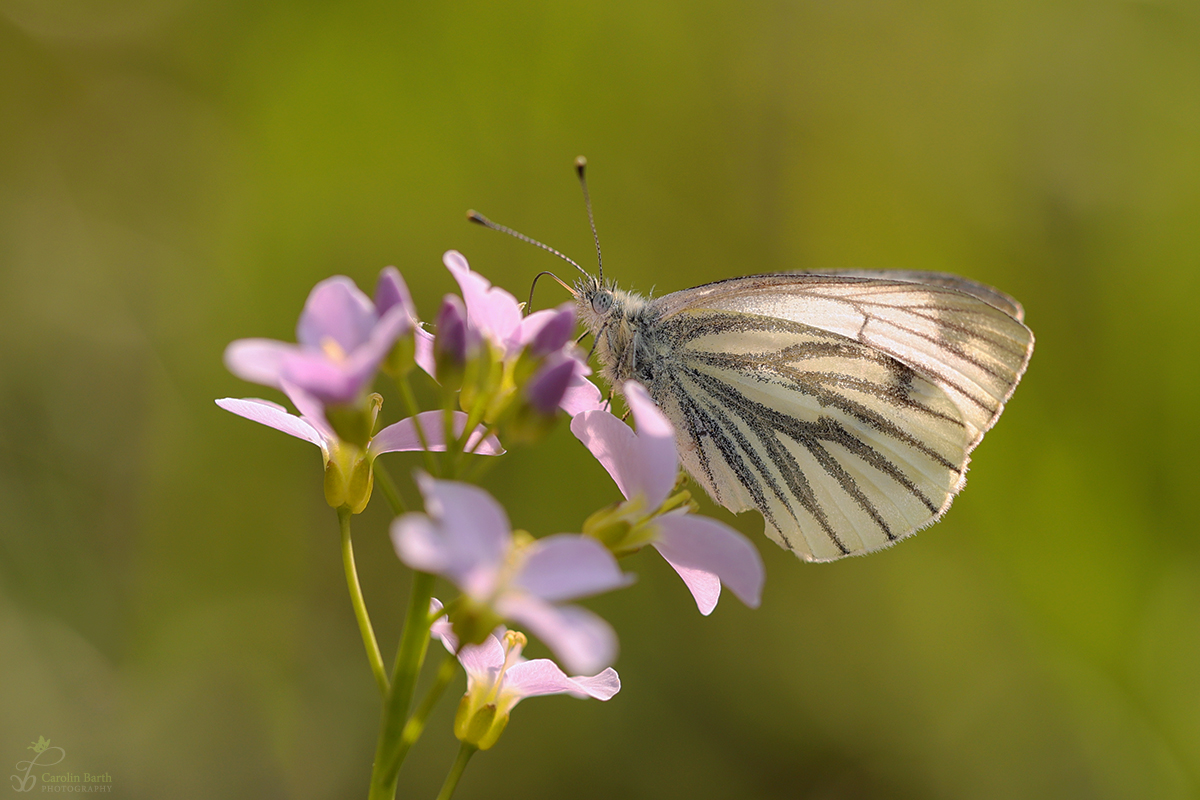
(33, 770)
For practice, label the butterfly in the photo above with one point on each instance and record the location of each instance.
(843, 406)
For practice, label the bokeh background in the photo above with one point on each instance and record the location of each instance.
(175, 174)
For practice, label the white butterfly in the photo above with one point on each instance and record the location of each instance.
(843, 406)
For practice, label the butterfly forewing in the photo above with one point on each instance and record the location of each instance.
(961, 335)
(843, 407)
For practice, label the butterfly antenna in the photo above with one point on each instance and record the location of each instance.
(480, 219)
(533, 286)
(580, 167)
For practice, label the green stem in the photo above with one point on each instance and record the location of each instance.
(390, 492)
(360, 606)
(475, 471)
(474, 417)
(453, 443)
(389, 751)
(416, 723)
(464, 755)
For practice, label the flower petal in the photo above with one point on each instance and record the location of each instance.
(704, 586)
(568, 566)
(420, 544)
(258, 360)
(475, 531)
(614, 444)
(390, 327)
(495, 312)
(582, 641)
(423, 354)
(703, 551)
(441, 627)
(477, 444)
(602, 686)
(536, 677)
(547, 330)
(482, 662)
(541, 676)
(336, 310)
(329, 381)
(311, 410)
(273, 415)
(392, 291)
(343, 378)
(624, 454)
(403, 435)
(656, 439)
(581, 395)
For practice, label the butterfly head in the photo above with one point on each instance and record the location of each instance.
(619, 321)
(595, 301)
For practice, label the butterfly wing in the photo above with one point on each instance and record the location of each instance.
(842, 407)
(966, 337)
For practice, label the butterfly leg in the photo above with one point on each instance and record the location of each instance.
(595, 341)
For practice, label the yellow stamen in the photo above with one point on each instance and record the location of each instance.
(332, 350)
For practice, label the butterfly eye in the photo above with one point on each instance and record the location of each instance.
(602, 302)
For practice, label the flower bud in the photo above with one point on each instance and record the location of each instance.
(348, 478)
(555, 333)
(391, 296)
(391, 291)
(537, 410)
(480, 727)
(546, 389)
(455, 343)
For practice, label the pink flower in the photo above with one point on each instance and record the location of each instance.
(496, 314)
(499, 677)
(465, 537)
(342, 339)
(645, 465)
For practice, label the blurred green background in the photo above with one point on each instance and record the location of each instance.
(175, 174)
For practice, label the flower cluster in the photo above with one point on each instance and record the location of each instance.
(343, 338)
(513, 371)
(501, 376)
(465, 537)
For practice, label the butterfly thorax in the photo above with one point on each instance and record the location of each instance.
(622, 324)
